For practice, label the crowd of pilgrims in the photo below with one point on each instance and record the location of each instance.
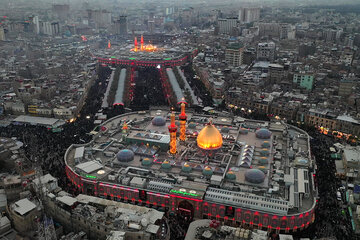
(48, 149)
(148, 90)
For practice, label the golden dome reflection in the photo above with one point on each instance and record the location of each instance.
(209, 138)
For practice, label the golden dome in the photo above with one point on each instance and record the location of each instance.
(209, 138)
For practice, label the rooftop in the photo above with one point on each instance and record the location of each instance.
(278, 153)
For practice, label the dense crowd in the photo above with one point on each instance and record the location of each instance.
(148, 90)
(46, 148)
(329, 223)
(198, 87)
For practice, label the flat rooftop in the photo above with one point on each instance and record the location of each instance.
(261, 165)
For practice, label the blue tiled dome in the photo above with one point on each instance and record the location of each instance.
(263, 160)
(263, 133)
(265, 152)
(125, 155)
(158, 121)
(265, 144)
(254, 176)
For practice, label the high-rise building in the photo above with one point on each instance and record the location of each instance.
(61, 10)
(234, 54)
(226, 25)
(50, 28)
(101, 18)
(121, 25)
(2, 34)
(284, 29)
(151, 26)
(346, 86)
(248, 15)
(266, 51)
(35, 20)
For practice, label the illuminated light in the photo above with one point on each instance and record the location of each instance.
(181, 191)
(87, 117)
(172, 129)
(209, 138)
(90, 176)
(100, 172)
(158, 66)
(191, 199)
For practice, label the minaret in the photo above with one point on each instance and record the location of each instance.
(182, 117)
(109, 44)
(142, 43)
(136, 45)
(172, 129)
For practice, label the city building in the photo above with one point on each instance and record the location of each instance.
(98, 217)
(346, 86)
(248, 15)
(121, 25)
(276, 72)
(2, 34)
(351, 161)
(226, 25)
(222, 170)
(266, 51)
(23, 215)
(321, 118)
(234, 54)
(304, 79)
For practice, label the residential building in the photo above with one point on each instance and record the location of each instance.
(226, 25)
(2, 34)
(304, 80)
(234, 54)
(276, 73)
(321, 118)
(346, 86)
(266, 51)
(248, 15)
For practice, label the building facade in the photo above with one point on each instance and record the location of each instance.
(234, 55)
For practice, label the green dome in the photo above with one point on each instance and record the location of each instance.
(146, 162)
(230, 175)
(166, 164)
(207, 171)
(186, 168)
(192, 125)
